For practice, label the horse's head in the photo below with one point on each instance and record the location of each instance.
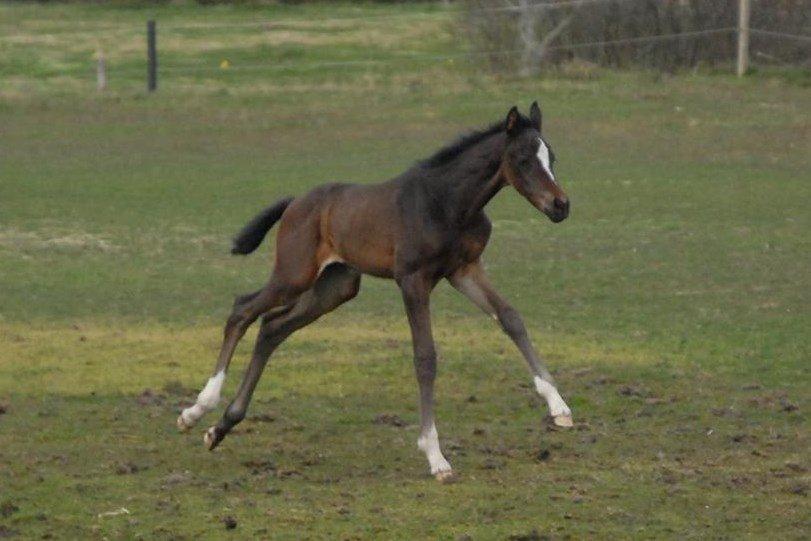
(528, 164)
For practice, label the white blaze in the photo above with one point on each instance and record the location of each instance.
(543, 157)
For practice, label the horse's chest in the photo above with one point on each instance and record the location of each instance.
(467, 250)
(443, 247)
(459, 250)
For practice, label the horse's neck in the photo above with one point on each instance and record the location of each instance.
(473, 191)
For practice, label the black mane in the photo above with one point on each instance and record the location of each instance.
(448, 153)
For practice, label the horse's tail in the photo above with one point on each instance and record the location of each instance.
(251, 236)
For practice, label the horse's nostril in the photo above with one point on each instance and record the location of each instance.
(561, 204)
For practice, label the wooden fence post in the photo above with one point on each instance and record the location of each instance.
(743, 37)
(101, 72)
(152, 57)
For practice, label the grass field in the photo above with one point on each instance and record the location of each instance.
(672, 306)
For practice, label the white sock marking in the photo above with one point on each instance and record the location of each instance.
(429, 444)
(543, 157)
(207, 400)
(556, 404)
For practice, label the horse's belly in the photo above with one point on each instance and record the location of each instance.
(362, 236)
(372, 259)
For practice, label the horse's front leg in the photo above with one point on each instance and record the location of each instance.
(416, 290)
(472, 281)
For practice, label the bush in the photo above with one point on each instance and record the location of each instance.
(533, 34)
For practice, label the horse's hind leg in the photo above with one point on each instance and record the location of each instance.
(210, 395)
(246, 309)
(336, 285)
(242, 300)
(295, 271)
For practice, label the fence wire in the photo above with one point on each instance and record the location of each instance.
(605, 46)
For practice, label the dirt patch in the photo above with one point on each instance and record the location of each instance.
(127, 468)
(65, 242)
(632, 390)
(543, 455)
(7, 532)
(777, 400)
(800, 489)
(787, 405)
(492, 463)
(259, 467)
(532, 535)
(7, 509)
(177, 478)
(390, 419)
(176, 388)
(287, 473)
(148, 397)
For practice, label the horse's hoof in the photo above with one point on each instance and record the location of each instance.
(212, 438)
(181, 424)
(563, 420)
(445, 477)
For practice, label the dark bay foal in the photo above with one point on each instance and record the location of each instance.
(418, 228)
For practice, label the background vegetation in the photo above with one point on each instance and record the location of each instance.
(662, 35)
(672, 305)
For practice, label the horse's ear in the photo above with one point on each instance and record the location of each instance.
(535, 115)
(512, 122)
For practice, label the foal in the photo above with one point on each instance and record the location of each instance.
(418, 228)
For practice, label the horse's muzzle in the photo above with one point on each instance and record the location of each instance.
(558, 210)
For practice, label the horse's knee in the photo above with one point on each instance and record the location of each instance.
(236, 319)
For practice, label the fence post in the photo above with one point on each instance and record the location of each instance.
(101, 72)
(152, 57)
(743, 37)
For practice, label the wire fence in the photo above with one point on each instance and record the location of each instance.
(606, 44)
(422, 57)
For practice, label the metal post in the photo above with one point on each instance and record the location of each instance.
(743, 37)
(152, 57)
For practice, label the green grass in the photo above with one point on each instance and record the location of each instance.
(672, 306)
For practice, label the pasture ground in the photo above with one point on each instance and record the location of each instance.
(672, 306)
